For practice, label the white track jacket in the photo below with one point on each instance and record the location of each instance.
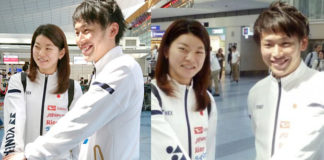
(106, 118)
(31, 113)
(288, 116)
(180, 132)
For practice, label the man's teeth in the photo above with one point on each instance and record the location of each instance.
(85, 49)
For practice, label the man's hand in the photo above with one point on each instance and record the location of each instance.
(15, 156)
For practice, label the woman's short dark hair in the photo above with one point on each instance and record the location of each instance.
(57, 36)
(201, 79)
(103, 12)
(281, 18)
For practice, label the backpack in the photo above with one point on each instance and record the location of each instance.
(157, 95)
(70, 90)
(310, 59)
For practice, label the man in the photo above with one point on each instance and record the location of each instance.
(286, 107)
(235, 63)
(106, 118)
(215, 68)
(229, 59)
(312, 56)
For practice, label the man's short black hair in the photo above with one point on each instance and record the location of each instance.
(103, 12)
(281, 18)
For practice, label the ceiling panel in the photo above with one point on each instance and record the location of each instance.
(59, 12)
(43, 5)
(32, 13)
(210, 6)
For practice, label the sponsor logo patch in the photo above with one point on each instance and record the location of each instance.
(50, 122)
(200, 139)
(199, 130)
(51, 108)
(284, 124)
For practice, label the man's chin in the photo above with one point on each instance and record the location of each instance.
(88, 58)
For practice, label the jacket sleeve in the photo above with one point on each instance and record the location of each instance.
(211, 134)
(14, 117)
(163, 138)
(77, 94)
(250, 109)
(93, 110)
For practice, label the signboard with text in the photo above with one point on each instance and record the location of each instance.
(10, 59)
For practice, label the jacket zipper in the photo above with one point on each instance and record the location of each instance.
(188, 123)
(276, 120)
(43, 103)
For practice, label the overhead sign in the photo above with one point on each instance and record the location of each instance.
(156, 34)
(246, 31)
(155, 27)
(216, 31)
(10, 59)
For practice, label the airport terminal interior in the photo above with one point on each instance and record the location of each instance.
(228, 22)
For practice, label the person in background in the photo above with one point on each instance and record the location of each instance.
(31, 111)
(154, 53)
(220, 57)
(25, 67)
(235, 64)
(318, 64)
(8, 75)
(183, 116)
(229, 60)
(215, 68)
(286, 107)
(312, 56)
(81, 81)
(106, 119)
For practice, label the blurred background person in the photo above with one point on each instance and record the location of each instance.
(318, 63)
(311, 56)
(215, 69)
(235, 63)
(220, 57)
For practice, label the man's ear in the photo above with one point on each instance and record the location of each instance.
(304, 43)
(113, 29)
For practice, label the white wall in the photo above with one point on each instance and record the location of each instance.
(316, 30)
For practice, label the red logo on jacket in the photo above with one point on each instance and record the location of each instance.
(199, 130)
(51, 108)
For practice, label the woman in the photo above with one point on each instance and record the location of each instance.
(318, 64)
(183, 121)
(31, 112)
(220, 57)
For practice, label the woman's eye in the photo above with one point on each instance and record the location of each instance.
(286, 44)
